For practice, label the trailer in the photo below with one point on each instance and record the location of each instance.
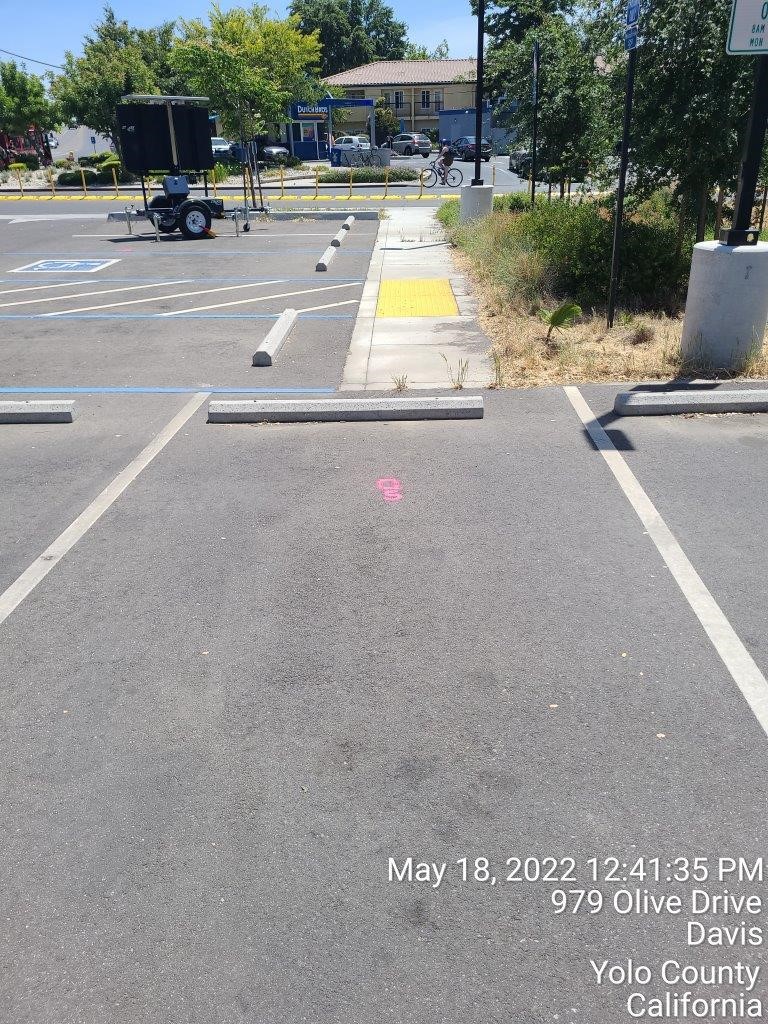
(170, 133)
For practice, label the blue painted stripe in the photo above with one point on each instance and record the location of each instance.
(156, 255)
(191, 280)
(163, 390)
(178, 316)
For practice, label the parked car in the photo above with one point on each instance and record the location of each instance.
(410, 143)
(273, 153)
(464, 148)
(220, 147)
(352, 142)
(517, 158)
(53, 142)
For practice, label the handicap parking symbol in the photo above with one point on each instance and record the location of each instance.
(64, 266)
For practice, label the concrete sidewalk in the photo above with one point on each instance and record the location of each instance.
(415, 309)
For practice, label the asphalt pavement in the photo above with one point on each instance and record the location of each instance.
(256, 682)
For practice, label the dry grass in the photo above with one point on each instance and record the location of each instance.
(640, 347)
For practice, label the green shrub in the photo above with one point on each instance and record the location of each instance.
(68, 179)
(26, 162)
(564, 250)
(17, 166)
(448, 213)
(104, 175)
(96, 159)
(340, 176)
(514, 202)
(63, 164)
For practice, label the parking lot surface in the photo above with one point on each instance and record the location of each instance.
(256, 677)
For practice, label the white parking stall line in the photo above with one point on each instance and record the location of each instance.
(159, 298)
(105, 291)
(260, 298)
(11, 598)
(330, 305)
(723, 637)
(44, 287)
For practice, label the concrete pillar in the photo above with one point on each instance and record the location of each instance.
(476, 201)
(727, 305)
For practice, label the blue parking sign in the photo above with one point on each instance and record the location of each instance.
(630, 39)
(633, 12)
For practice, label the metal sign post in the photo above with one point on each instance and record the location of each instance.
(742, 233)
(630, 44)
(535, 139)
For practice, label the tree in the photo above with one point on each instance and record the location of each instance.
(252, 67)
(691, 104)
(351, 32)
(509, 21)
(574, 96)
(112, 65)
(417, 51)
(23, 101)
(387, 122)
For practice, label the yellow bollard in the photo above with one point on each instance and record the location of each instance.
(50, 182)
(114, 179)
(213, 179)
(82, 178)
(21, 186)
(351, 171)
(282, 182)
(386, 182)
(421, 184)
(317, 181)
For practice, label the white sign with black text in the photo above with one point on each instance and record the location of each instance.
(749, 27)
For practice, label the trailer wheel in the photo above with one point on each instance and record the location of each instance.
(194, 220)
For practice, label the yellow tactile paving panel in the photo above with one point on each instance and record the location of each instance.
(416, 296)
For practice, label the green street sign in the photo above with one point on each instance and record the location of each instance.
(748, 33)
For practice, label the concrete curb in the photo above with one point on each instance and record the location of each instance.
(670, 403)
(325, 259)
(338, 239)
(276, 337)
(323, 215)
(328, 410)
(37, 411)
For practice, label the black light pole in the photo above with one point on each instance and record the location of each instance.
(477, 180)
(742, 232)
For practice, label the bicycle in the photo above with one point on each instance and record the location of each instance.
(357, 159)
(453, 176)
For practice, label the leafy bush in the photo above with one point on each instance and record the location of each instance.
(95, 159)
(17, 166)
(104, 175)
(564, 250)
(63, 164)
(68, 179)
(366, 174)
(514, 202)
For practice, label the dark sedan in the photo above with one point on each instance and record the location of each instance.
(464, 148)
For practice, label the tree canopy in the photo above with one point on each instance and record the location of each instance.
(23, 101)
(116, 60)
(250, 66)
(351, 32)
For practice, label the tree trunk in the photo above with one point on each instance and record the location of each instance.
(719, 211)
(680, 227)
(762, 208)
(701, 220)
(549, 189)
(562, 188)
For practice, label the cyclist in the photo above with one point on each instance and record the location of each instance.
(444, 160)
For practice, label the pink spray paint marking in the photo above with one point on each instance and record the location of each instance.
(391, 488)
